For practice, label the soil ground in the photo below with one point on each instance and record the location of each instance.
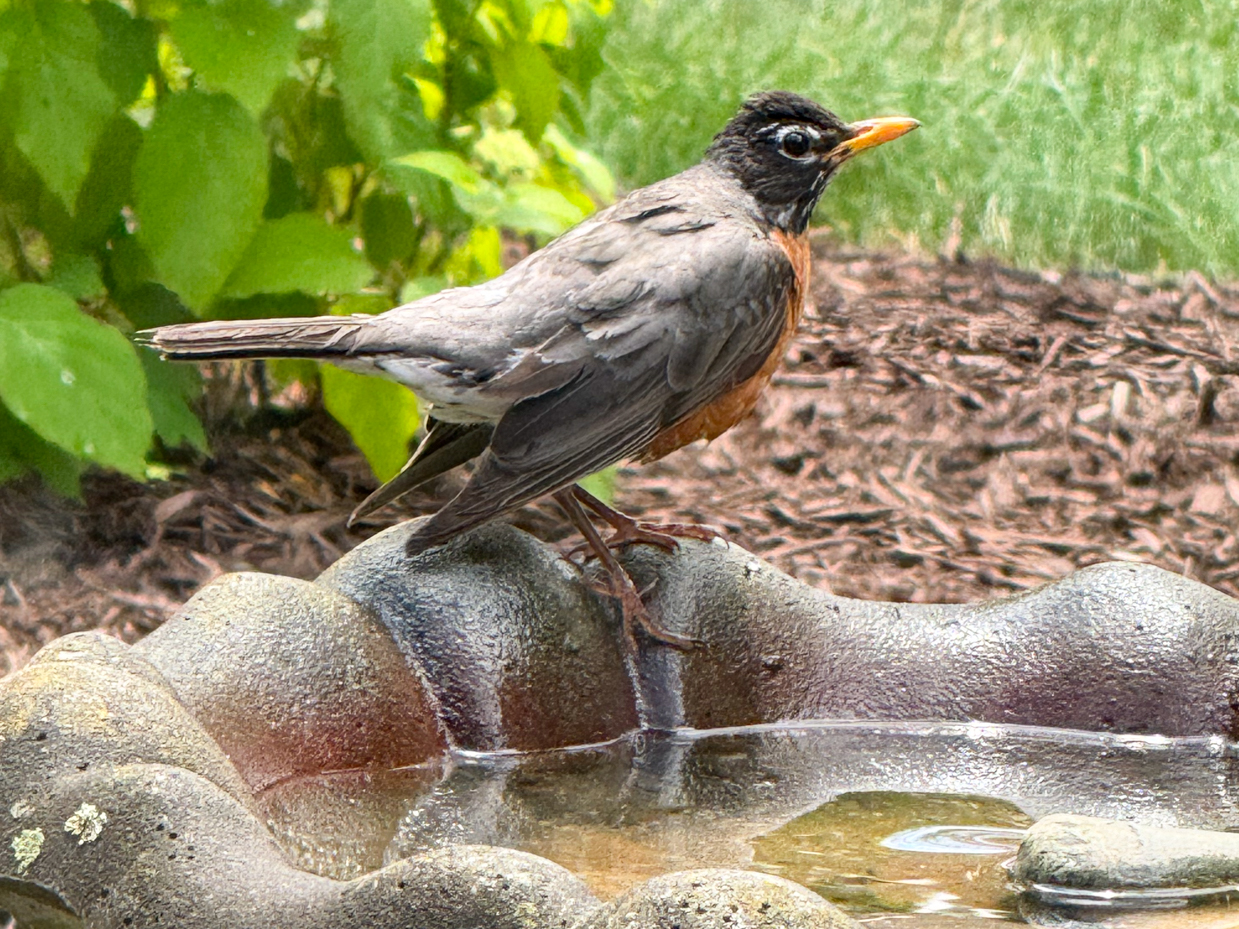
(941, 430)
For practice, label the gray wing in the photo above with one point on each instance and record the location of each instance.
(658, 309)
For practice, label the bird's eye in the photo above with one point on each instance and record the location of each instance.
(796, 144)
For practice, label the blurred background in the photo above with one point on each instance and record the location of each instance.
(1084, 133)
(168, 160)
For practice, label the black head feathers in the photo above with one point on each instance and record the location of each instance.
(784, 148)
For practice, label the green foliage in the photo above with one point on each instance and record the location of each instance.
(380, 41)
(380, 416)
(216, 38)
(199, 184)
(170, 389)
(176, 159)
(299, 251)
(60, 102)
(601, 484)
(73, 380)
(526, 69)
(521, 207)
(1103, 133)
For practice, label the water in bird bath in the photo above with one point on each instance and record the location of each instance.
(892, 852)
(908, 823)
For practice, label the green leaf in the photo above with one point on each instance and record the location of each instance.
(299, 252)
(149, 305)
(108, 184)
(199, 185)
(387, 228)
(268, 306)
(479, 259)
(417, 287)
(73, 380)
(472, 81)
(454, 15)
(519, 207)
(12, 466)
(8, 39)
(77, 275)
(550, 25)
(60, 104)
(241, 47)
(601, 484)
(447, 165)
(379, 41)
(22, 450)
(533, 208)
(371, 304)
(380, 415)
(169, 388)
(128, 52)
(592, 171)
(129, 264)
(507, 152)
(581, 60)
(525, 71)
(283, 193)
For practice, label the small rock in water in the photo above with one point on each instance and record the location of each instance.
(1087, 853)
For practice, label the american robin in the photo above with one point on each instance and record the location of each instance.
(656, 322)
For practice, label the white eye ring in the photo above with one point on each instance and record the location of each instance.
(797, 141)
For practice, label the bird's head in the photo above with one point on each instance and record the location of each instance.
(784, 149)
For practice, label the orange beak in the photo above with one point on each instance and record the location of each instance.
(869, 133)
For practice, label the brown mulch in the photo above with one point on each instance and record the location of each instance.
(941, 430)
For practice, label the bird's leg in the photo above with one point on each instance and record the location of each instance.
(629, 530)
(621, 584)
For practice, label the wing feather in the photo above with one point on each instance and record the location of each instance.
(701, 325)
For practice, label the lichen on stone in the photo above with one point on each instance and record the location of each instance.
(27, 845)
(87, 822)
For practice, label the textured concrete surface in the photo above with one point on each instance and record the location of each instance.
(714, 898)
(176, 851)
(519, 652)
(86, 702)
(291, 679)
(1114, 647)
(196, 779)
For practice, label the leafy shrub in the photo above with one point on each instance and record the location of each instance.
(165, 160)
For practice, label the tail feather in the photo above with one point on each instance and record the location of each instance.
(304, 337)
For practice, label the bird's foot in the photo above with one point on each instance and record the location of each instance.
(629, 531)
(664, 535)
(634, 533)
(636, 614)
(620, 585)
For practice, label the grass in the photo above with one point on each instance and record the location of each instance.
(1089, 133)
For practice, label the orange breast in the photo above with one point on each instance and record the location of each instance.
(712, 420)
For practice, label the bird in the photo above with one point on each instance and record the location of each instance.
(653, 323)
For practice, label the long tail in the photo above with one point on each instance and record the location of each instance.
(304, 337)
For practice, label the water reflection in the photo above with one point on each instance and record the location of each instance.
(900, 819)
(1150, 898)
(956, 840)
(842, 851)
